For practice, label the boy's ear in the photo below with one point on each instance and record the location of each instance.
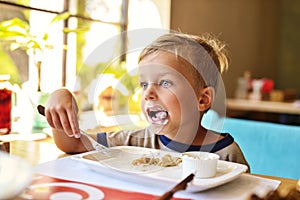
(206, 97)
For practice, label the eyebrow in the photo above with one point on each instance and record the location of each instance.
(163, 74)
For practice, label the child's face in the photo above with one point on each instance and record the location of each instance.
(169, 93)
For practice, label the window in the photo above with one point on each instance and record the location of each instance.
(102, 19)
(97, 23)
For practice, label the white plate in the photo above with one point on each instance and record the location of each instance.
(121, 167)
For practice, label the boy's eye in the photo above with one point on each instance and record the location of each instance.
(165, 83)
(144, 84)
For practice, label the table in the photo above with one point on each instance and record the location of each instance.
(263, 106)
(269, 111)
(37, 152)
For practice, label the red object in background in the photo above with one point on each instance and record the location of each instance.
(268, 86)
(5, 109)
(5, 105)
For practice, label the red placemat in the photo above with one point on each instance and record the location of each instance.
(45, 187)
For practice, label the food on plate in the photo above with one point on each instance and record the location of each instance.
(165, 161)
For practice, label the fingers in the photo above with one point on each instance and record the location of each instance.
(65, 123)
(61, 112)
(73, 122)
(63, 118)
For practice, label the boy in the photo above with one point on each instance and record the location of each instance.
(179, 76)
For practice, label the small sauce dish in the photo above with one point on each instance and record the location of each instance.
(202, 164)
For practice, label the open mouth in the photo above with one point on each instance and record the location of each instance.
(157, 115)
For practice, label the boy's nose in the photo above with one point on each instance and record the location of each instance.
(150, 93)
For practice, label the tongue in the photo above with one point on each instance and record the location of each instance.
(160, 117)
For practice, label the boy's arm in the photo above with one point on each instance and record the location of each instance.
(61, 113)
(69, 145)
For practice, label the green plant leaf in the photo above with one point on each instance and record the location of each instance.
(77, 30)
(13, 28)
(10, 35)
(46, 36)
(62, 16)
(15, 22)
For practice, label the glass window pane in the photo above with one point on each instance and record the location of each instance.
(104, 10)
(51, 50)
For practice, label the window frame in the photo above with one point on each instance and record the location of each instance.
(123, 24)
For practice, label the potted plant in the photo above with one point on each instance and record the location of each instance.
(17, 33)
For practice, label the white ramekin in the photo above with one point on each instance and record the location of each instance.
(202, 164)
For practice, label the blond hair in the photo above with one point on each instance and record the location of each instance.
(204, 52)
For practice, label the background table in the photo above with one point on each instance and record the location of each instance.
(270, 111)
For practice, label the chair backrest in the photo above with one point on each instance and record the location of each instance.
(270, 148)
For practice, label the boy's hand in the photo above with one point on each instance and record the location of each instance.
(61, 112)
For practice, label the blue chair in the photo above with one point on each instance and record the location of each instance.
(271, 149)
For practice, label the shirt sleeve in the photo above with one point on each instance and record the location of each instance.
(101, 138)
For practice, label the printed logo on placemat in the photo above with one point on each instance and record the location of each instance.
(45, 187)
